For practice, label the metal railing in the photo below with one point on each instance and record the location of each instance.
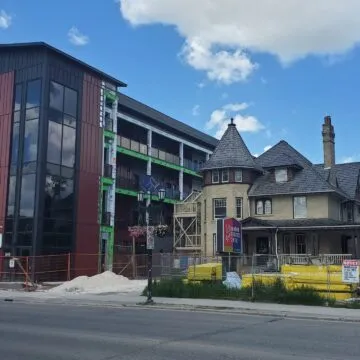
(308, 259)
(156, 153)
(185, 208)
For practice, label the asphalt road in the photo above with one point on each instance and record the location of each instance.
(39, 332)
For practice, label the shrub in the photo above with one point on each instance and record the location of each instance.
(275, 293)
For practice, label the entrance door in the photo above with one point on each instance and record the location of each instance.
(262, 250)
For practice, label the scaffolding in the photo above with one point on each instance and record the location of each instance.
(187, 224)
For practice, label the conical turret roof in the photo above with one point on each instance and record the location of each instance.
(231, 152)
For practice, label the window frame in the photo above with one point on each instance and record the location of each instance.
(300, 236)
(237, 207)
(278, 177)
(213, 172)
(237, 172)
(263, 202)
(226, 173)
(296, 212)
(215, 207)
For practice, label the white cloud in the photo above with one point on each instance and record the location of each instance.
(200, 85)
(267, 147)
(221, 36)
(196, 110)
(77, 38)
(350, 159)
(220, 119)
(5, 20)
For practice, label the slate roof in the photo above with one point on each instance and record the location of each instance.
(305, 181)
(346, 175)
(293, 223)
(231, 151)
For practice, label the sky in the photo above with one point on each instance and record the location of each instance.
(277, 67)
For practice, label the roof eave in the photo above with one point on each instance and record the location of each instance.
(45, 45)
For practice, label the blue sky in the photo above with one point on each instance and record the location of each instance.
(203, 64)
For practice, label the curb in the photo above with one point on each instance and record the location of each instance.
(179, 307)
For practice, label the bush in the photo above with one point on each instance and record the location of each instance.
(274, 293)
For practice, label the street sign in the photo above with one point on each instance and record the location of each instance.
(11, 263)
(350, 271)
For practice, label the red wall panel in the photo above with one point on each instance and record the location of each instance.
(87, 227)
(6, 100)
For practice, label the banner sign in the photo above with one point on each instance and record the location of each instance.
(229, 236)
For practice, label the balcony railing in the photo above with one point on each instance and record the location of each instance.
(134, 185)
(156, 153)
(126, 183)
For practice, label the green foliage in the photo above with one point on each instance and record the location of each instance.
(274, 293)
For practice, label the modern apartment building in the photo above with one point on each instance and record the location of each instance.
(74, 152)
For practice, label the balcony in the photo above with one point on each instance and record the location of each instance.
(134, 186)
(158, 156)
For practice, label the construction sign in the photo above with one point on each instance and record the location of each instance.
(350, 271)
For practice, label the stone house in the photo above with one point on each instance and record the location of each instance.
(287, 205)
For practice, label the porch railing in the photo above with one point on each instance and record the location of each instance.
(308, 259)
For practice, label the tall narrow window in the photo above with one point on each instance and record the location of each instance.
(239, 207)
(219, 208)
(300, 207)
(300, 244)
(27, 196)
(259, 207)
(225, 175)
(267, 207)
(238, 175)
(30, 141)
(215, 176)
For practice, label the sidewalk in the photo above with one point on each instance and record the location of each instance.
(135, 301)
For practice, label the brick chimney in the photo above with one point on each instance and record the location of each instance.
(328, 135)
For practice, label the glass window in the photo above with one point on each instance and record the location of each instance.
(30, 141)
(215, 176)
(56, 96)
(27, 197)
(15, 144)
(300, 244)
(55, 115)
(29, 168)
(33, 113)
(69, 120)
(17, 100)
(238, 175)
(67, 173)
(225, 175)
(11, 196)
(16, 116)
(281, 175)
(267, 207)
(33, 94)
(70, 103)
(239, 206)
(54, 143)
(219, 208)
(259, 207)
(68, 147)
(300, 207)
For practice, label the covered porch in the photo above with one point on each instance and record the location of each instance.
(301, 241)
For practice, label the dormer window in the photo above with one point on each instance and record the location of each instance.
(238, 176)
(281, 175)
(225, 175)
(215, 176)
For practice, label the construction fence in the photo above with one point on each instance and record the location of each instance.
(323, 272)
